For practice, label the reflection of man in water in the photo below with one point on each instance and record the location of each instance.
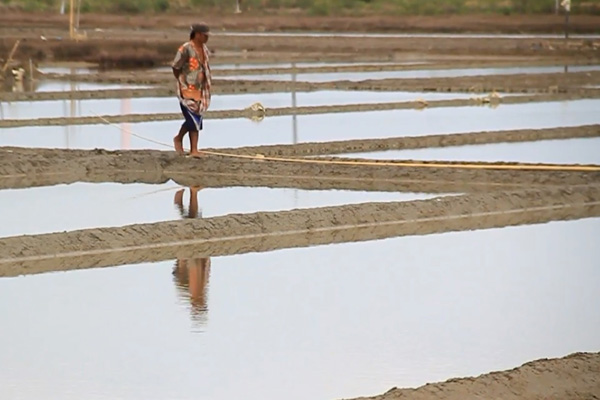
(192, 275)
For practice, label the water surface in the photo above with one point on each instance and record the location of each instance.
(89, 205)
(327, 322)
(313, 128)
(154, 105)
(569, 151)
(412, 74)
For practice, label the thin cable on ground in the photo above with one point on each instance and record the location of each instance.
(131, 132)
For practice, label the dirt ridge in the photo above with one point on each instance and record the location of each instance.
(263, 231)
(574, 377)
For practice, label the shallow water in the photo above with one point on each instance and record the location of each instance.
(568, 151)
(60, 86)
(440, 73)
(251, 65)
(326, 322)
(68, 70)
(313, 128)
(87, 205)
(151, 105)
(410, 35)
(246, 65)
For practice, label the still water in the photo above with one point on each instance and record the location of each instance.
(409, 35)
(313, 128)
(569, 151)
(59, 86)
(412, 74)
(153, 105)
(88, 205)
(326, 322)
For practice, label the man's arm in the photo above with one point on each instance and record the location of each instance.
(178, 62)
(176, 72)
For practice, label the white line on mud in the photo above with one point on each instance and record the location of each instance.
(287, 233)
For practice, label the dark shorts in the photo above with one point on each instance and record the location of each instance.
(193, 122)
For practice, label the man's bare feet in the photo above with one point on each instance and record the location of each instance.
(178, 143)
(197, 154)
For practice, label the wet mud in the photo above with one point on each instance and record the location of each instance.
(502, 82)
(574, 377)
(258, 21)
(161, 83)
(488, 100)
(266, 231)
(158, 45)
(22, 167)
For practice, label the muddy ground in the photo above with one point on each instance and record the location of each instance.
(266, 231)
(554, 86)
(228, 167)
(152, 41)
(473, 195)
(575, 377)
(259, 21)
(260, 114)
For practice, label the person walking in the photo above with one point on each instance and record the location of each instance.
(192, 72)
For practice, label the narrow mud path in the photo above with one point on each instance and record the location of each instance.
(289, 111)
(25, 167)
(500, 82)
(266, 231)
(162, 85)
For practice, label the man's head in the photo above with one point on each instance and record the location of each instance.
(199, 32)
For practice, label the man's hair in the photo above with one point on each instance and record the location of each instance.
(198, 28)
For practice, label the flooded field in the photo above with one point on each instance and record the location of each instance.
(396, 312)
(293, 129)
(381, 223)
(571, 151)
(123, 204)
(450, 73)
(82, 108)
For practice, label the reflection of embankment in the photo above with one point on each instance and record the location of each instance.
(266, 231)
(23, 167)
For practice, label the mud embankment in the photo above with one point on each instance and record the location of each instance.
(23, 167)
(290, 111)
(158, 47)
(554, 85)
(574, 377)
(266, 231)
(420, 142)
(500, 82)
(258, 21)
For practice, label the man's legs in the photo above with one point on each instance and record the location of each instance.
(193, 124)
(194, 143)
(178, 140)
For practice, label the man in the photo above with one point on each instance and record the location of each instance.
(192, 72)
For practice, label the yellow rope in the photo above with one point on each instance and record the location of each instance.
(417, 164)
(412, 164)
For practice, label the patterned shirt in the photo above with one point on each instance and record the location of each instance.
(195, 79)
